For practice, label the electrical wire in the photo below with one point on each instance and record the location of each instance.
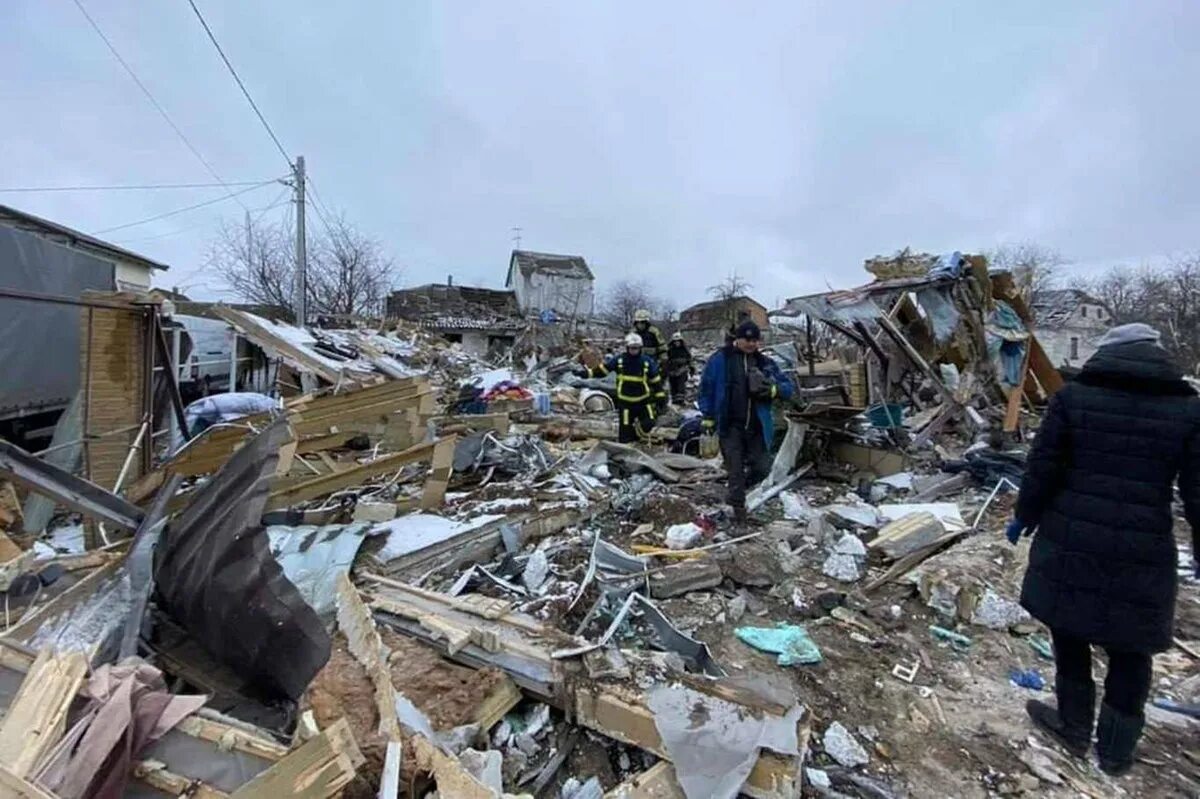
(241, 85)
(154, 102)
(260, 211)
(183, 210)
(143, 187)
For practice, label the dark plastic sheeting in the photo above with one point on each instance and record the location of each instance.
(217, 578)
(39, 341)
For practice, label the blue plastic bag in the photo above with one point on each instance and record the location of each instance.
(789, 641)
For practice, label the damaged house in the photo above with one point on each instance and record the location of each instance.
(1069, 323)
(561, 284)
(481, 320)
(706, 322)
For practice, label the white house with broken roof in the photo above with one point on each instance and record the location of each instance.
(1069, 323)
(543, 281)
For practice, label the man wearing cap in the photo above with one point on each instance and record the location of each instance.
(736, 391)
(1096, 496)
(639, 389)
(653, 343)
(679, 368)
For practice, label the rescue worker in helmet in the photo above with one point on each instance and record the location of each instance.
(640, 393)
(679, 368)
(653, 343)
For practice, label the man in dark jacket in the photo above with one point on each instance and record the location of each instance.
(640, 393)
(1102, 569)
(653, 343)
(736, 391)
(679, 368)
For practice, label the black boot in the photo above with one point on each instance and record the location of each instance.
(1071, 722)
(740, 517)
(1117, 736)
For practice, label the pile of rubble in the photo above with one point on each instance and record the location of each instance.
(421, 574)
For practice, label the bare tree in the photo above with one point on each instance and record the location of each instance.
(1034, 266)
(256, 262)
(625, 298)
(348, 273)
(727, 293)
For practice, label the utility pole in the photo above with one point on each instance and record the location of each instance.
(516, 238)
(301, 250)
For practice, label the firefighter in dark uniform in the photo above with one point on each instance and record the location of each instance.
(653, 343)
(679, 368)
(640, 394)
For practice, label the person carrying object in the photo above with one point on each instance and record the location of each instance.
(737, 388)
(653, 343)
(679, 368)
(640, 394)
(1096, 496)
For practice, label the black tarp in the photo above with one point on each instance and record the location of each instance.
(216, 577)
(39, 341)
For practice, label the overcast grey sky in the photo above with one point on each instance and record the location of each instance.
(671, 142)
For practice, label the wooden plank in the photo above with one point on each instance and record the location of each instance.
(356, 623)
(317, 769)
(1042, 368)
(658, 782)
(440, 468)
(37, 717)
(14, 787)
(230, 737)
(358, 475)
(155, 774)
(14, 561)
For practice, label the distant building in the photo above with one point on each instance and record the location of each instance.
(545, 282)
(707, 322)
(482, 320)
(1068, 323)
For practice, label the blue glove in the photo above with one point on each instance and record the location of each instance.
(1014, 530)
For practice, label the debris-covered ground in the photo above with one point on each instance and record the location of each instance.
(433, 575)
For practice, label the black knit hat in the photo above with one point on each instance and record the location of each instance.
(748, 330)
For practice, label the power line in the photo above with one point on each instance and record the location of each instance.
(241, 85)
(260, 211)
(183, 210)
(144, 187)
(153, 101)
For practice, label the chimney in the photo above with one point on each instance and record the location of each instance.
(449, 280)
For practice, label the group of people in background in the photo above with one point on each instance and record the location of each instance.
(737, 388)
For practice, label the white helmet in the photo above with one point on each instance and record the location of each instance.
(676, 337)
(633, 340)
(641, 315)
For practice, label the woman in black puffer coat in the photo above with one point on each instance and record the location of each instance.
(1102, 569)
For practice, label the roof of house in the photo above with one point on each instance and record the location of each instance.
(73, 238)
(1058, 305)
(716, 304)
(548, 263)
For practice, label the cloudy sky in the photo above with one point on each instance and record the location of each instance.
(673, 142)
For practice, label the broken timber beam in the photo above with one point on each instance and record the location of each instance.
(357, 475)
(318, 769)
(657, 782)
(66, 489)
(37, 717)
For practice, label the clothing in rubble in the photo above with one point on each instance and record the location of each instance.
(679, 369)
(640, 393)
(736, 391)
(654, 344)
(1097, 495)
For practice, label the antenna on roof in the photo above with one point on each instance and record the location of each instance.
(516, 238)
